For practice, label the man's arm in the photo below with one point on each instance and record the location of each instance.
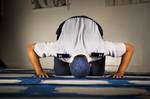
(35, 61)
(124, 61)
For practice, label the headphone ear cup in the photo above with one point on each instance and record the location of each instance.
(80, 66)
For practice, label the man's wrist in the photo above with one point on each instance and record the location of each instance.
(120, 72)
(39, 71)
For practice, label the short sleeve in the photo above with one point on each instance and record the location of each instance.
(114, 49)
(44, 49)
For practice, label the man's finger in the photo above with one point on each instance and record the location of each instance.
(43, 76)
(46, 75)
(117, 76)
(114, 76)
(39, 76)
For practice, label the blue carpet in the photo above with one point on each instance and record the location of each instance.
(32, 87)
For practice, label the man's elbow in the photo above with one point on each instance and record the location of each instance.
(129, 47)
(30, 47)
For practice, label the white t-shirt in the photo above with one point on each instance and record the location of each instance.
(80, 36)
(46, 49)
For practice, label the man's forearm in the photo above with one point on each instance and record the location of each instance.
(34, 59)
(126, 58)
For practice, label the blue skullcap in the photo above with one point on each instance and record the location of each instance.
(80, 66)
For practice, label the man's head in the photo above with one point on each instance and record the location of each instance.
(80, 66)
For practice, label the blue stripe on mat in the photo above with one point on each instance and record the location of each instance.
(36, 89)
(112, 82)
(49, 90)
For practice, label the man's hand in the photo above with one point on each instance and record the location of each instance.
(118, 75)
(42, 74)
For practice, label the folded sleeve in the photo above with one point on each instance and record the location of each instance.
(114, 49)
(45, 49)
